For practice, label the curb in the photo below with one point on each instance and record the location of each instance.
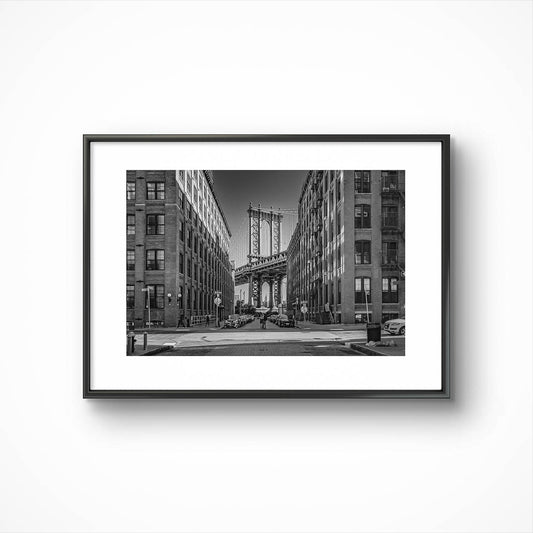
(153, 351)
(365, 350)
(361, 348)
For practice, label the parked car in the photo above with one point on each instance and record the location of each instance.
(285, 321)
(396, 326)
(233, 321)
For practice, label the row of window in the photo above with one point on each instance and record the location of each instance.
(155, 190)
(155, 260)
(363, 256)
(389, 181)
(389, 290)
(389, 216)
(363, 318)
(155, 224)
(156, 294)
(363, 292)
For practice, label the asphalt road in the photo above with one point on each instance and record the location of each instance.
(251, 340)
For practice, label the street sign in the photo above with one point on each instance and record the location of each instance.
(304, 309)
(218, 301)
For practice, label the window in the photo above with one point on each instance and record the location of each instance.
(390, 252)
(181, 263)
(182, 231)
(189, 267)
(362, 181)
(130, 296)
(155, 224)
(130, 224)
(389, 216)
(157, 296)
(389, 316)
(155, 259)
(363, 294)
(338, 222)
(389, 293)
(130, 190)
(130, 260)
(338, 187)
(180, 197)
(155, 190)
(362, 252)
(338, 291)
(362, 216)
(389, 180)
(189, 232)
(363, 318)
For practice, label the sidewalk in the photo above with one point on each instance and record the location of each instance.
(330, 327)
(151, 349)
(166, 331)
(397, 348)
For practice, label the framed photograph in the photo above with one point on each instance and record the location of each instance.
(266, 266)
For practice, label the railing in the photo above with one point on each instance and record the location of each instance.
(201, 320)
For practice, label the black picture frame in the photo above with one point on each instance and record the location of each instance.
(442, 393)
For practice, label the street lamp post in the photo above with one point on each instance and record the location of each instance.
(366, 302)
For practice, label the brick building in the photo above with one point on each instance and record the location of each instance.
(177, 247)
(348, 250)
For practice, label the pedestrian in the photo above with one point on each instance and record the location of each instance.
(180, 321)
(206, 321)
(330, 314)
(263, 321)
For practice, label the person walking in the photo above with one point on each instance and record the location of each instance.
(180, 321)
(327, 308)
(206, 321)
(263, 321)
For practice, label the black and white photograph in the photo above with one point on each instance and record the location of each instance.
(265, 262)
(266, 265)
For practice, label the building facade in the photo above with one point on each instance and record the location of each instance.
(346, 258)
(177, 257)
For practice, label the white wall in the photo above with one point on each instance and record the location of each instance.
(72, 465)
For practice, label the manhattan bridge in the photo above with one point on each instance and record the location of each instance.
(266, 261)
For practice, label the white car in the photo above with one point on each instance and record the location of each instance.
(396, 326)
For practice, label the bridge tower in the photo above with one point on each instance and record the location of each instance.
(256, 218)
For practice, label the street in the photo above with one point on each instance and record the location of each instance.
(251, 340)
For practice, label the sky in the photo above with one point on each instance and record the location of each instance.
(235, 189)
